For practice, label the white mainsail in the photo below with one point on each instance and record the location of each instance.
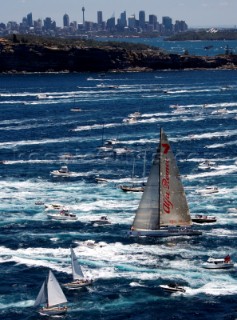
(163, 203)
(55, 293)
(76, 268)
(173, 204)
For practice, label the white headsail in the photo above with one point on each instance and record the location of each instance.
(147, 215)
(42, 296)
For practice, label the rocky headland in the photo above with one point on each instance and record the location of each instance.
(44, 55)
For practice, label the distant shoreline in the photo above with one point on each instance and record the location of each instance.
(47, 55)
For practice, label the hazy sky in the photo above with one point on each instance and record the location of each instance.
(194, 12)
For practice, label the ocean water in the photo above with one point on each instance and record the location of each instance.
(40, 133)
(203, 48)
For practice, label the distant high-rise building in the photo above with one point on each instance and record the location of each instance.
(111, 24)
(99, 17)
(167, 23)
(123, 19)
(66, 21)
(49, 24)
(180, 26)
(29, 20)
(132, 22)
(142, 19)
(153, 21)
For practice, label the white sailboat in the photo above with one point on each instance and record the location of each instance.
(163, 210)
(134, 187)
(77, 275)
(52, 296)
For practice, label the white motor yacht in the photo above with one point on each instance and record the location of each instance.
(62, 172)
(172, 287)
(220, 263)
(62, 215)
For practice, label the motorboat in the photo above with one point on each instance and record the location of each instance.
(75, 109)
(107, 86)
(62, 215)
(53, 206)
(199, 218)
(102, 220)
(132, 188)
(210, 190)
(41, 96)
(92, 244)
(101, 180)
(130, 120)
(206, 165)
(172, 287)
(39, 203)
(220, 263)
(62, 172)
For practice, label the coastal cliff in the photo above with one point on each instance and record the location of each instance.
(81, 56)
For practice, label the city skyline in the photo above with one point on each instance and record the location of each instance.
(203, 13)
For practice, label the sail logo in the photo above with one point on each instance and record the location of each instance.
(166, 147)
(167, 204)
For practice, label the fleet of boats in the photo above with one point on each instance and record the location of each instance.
(162, 212)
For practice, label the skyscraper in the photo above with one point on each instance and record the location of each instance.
(142, 19)
(167, 23)
(29, 20)
(99, 17)
(66, 20)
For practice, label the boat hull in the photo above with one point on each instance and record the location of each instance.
(166, 232)
(132, 189)
(213, 266)
(201, 220)
(53, 311)
(172, 289)
(61, 217)
(77, 285)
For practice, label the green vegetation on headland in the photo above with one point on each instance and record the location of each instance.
(38, 54)
(211, 34)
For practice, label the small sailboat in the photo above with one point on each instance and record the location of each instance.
(52, 296)
(163, 210)
(77, 275)
(134, 187)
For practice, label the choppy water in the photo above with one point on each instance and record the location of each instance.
(35, 136)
